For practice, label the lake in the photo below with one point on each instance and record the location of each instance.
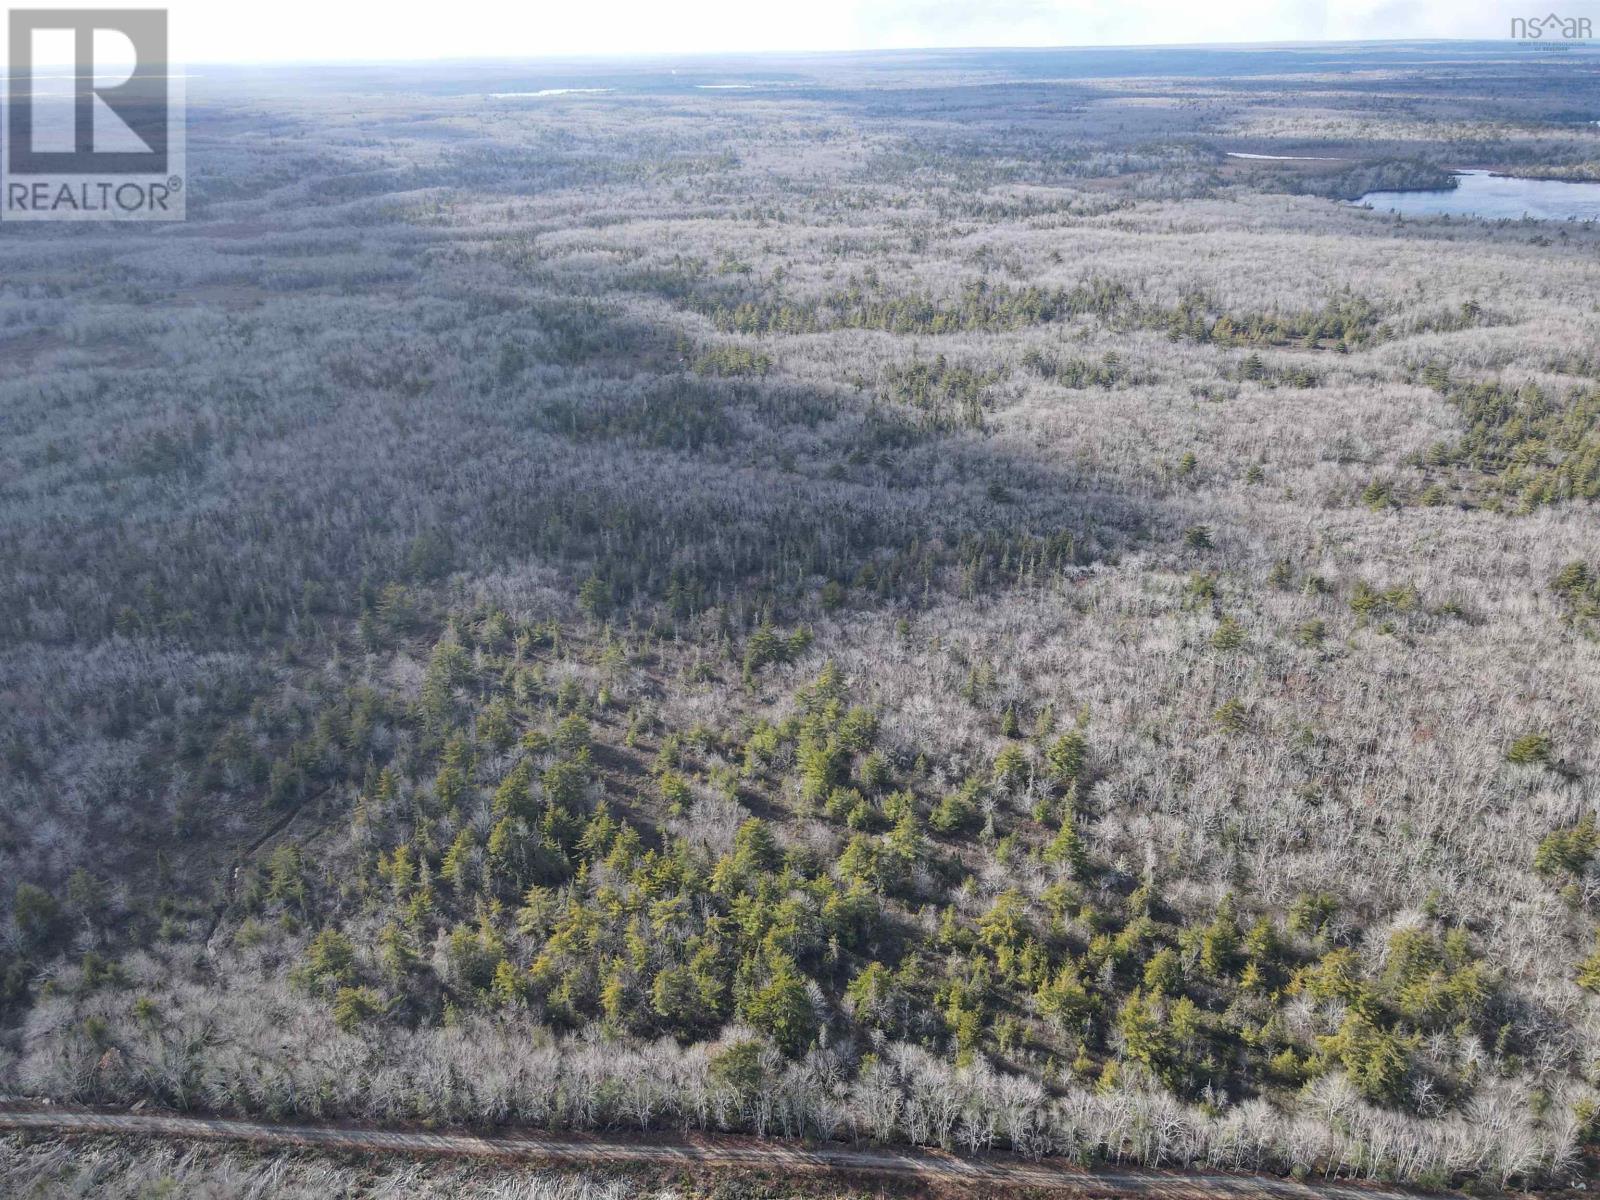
(1480, 194)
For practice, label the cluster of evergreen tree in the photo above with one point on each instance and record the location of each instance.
(1076, 373)
(1577, 587)
(1345, 322)
(1524, 446)
(946, 396)
(529, 846)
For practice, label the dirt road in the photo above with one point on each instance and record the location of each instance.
(996, 1172)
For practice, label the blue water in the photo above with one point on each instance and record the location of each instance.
(1480, 194)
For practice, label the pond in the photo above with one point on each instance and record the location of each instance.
(1480, 194)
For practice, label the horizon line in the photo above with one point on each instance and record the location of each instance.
(594, 56)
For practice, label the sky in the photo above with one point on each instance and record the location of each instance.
(254, 31)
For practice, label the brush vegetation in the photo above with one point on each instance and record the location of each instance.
(954, 614)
